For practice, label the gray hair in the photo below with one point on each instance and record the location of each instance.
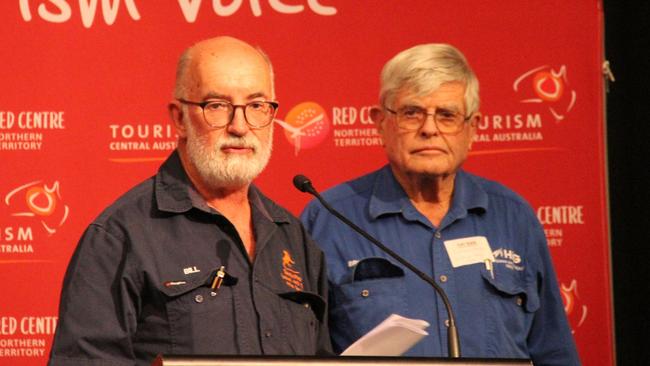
(423, 68)
(184, 61)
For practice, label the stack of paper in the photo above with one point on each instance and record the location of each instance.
(392, 337)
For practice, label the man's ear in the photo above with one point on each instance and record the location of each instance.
(377, 115)
(176, 114)
(476, 118)
(473, 125)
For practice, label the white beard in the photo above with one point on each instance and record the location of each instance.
(219, 170)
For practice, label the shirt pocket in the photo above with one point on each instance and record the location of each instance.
(375, 289)
(293, 318)
(304, 313)
(511, 304)
(200, 320)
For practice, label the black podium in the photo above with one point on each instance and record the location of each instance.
(329, 361)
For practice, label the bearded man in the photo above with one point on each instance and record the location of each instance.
(196, 260)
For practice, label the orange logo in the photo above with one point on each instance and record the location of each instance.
(575, 311)
(39, 201)
(305, 126)
(290, 276)
(549, 87)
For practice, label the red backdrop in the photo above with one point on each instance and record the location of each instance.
(83, 118)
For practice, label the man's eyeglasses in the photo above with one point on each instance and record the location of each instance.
(447, 121)
(219, 113)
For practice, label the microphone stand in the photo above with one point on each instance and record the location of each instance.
(303, 184)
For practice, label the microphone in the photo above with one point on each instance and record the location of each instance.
(303, 184)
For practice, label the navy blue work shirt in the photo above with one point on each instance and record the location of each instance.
(511, 309)
(140, 281)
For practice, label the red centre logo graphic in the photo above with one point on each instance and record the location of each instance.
(548, 87)
(39, 201)
(575, 310)
(305, 126)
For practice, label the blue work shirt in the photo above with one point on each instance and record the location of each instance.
(509, 309)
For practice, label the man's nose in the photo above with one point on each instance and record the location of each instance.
(429, 125)
(238, 125)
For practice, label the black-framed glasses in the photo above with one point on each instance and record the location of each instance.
(447, 121)
(219, 113)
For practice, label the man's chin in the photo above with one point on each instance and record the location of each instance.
(235, 173)
(229, 182)
(430, 171)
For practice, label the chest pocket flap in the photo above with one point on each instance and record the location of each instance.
(178, 288)
(375, 267)
(308, 299)
(514, 286)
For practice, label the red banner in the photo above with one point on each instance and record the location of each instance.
(83, 118)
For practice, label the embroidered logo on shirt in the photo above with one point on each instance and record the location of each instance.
(509, 257)
(290, 276)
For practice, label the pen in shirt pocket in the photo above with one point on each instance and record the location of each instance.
(489, 267)
(218, 280)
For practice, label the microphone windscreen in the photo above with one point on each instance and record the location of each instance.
(302, 183)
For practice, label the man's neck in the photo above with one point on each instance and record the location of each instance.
(236, 207)
(431, 195)
(231, 202)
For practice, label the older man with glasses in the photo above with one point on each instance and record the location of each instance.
(196, 260)
(479, 241)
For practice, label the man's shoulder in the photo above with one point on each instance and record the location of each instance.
(359, 188)
(136, 203)
(497, 191)
(350, 197)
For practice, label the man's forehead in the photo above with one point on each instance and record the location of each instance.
(209, 74)
(450, 93)
(229, 62)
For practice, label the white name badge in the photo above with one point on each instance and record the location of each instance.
(470, 250)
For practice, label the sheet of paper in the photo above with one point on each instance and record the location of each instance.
(392, 337)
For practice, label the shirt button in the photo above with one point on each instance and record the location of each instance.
(198, 298)
(447, 323)
(365, 293)
(306, 305)
(519, 301)
(443, 278)
(268, 334)
(438, 235)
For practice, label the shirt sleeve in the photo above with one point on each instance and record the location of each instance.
(309, 217)
(98, 307)
(550, 340)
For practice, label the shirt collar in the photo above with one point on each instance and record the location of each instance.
(173, 190)
(388, 197)
(175, 193)
(266, 207)
(468, 196)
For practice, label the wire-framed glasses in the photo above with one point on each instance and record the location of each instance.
(413, 117)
